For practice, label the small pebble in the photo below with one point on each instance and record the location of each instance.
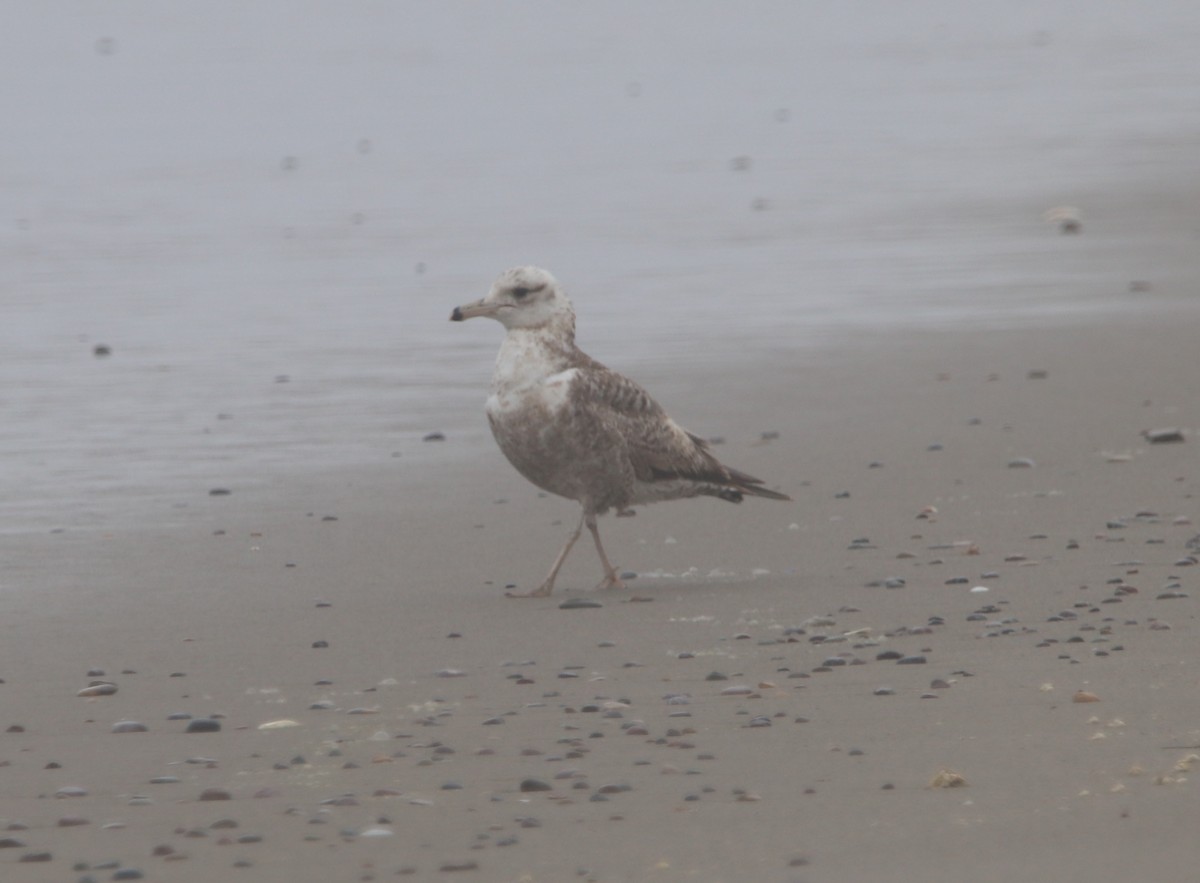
(377, 832)
(129, 727)
(579, 604)
(98, 688)
(1163, 436)
(203, 725)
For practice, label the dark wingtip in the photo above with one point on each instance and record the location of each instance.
(457, 315)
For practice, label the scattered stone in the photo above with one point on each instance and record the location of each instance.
(377, 832)
(36, 857)
(1163, 436)
(129, 727)
(1021, 463)
(1084, 696)
(911, 660)
(215, 794)
(434, 436)
(203, 725)
(98, 688)
(535, 785)
(579, 604)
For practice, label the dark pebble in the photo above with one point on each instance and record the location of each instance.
(1163, 436)
(320, 645)
(37, 857)
(911, 660)
(128, 874)
(215, 794)
(219, 492)
(535, 785)
(11, 843)
(578, 604)
(716, 676)
(459, 866)
(203, 725)
(434, 436)
(129, 727)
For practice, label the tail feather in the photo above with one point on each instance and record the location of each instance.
(748, 484)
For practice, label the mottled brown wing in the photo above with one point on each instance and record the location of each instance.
(659, 449)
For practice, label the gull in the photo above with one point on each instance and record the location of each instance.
(580, 430)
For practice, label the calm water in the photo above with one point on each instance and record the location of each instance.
(267, 210)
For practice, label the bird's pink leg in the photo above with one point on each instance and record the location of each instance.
(611, 579)
(548, 586)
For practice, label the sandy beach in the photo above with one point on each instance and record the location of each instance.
(980, 537)
(254, 627)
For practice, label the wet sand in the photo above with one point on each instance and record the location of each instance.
(741, 711)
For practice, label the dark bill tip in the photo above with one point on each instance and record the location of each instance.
(457, 315)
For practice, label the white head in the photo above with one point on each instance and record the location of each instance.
(523, 297)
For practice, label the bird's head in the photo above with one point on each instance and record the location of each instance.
(523, 297)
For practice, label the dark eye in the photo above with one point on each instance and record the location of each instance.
(519, 293)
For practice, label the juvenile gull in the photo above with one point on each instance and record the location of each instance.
(581, 431)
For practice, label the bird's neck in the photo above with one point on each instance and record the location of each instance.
(529, 355)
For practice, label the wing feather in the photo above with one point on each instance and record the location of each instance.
(659, 449)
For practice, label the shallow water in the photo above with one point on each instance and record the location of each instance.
(268, 213)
